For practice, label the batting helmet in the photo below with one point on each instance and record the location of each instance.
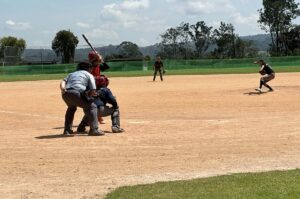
(102, 81)
(93, 56)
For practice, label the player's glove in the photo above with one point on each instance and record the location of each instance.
(262, 72)
(164, 72)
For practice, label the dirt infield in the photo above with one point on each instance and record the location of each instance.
(185, 127)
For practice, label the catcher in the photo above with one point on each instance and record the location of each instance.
(267, 75)
(105, 97)
(158, 67)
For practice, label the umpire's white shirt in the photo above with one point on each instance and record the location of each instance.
(80, 80)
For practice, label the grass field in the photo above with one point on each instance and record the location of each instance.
(199, 71)
(269, 185)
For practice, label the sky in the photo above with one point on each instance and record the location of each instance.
(114, 21)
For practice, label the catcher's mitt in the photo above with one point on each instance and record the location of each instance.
(262, 72)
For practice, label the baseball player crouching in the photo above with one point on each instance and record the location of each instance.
(267, 75)
(76, 90)
(105, 97)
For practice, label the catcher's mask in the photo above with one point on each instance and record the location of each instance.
(103, 81)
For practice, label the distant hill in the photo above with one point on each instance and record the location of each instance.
(261, 41)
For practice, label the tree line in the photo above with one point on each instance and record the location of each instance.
(199, 40)
(193, 40)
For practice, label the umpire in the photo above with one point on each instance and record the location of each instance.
(77, 91)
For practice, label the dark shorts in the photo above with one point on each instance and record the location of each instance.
(268, 77)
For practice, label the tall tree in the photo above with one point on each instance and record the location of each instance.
(64, 44)
(276, 18)
(128, 49)
(224, 37)
(19, 44)
(170, 42)
(185, 47)
(200, 33)
(245, 48)
(293, 40)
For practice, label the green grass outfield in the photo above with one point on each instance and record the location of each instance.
(269, 185)
(199, 71)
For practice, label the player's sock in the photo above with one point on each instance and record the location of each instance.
(261, 83)
(269, 87)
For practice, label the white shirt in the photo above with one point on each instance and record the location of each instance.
(80, 80)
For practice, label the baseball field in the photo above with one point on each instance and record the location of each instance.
(183, 128)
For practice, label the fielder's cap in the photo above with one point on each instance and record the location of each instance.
(84, 66)
(259, 61)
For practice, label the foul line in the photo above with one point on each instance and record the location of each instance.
(31, 115)
(130, 121)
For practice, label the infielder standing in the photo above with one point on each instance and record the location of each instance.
(158, 67)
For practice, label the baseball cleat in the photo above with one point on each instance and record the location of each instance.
(68, 132)
(116, 129)
(258, 89)
(96, 133)
(81, 129)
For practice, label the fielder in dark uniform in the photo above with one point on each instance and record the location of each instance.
(104, 97)
(158, 67)
(267, 75)
(76, 88)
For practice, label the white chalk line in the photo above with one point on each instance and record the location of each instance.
(129, 121)
(31, 115)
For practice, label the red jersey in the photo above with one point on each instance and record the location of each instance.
(96, 73)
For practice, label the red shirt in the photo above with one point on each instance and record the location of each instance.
(96, 73)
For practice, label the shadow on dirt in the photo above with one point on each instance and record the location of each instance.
(67, 136)
(53, 136)
(255, 93)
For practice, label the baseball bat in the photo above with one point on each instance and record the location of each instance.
(88, 42)
(104, 65)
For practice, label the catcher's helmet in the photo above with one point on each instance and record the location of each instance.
(93, 56)
(103, 81)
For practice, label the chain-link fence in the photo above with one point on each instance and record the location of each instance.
(45, 61)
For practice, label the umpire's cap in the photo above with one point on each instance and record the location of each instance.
(84, 66)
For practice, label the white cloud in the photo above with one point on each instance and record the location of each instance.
(82, 25)
(196, 7)
(120, 16)
(246, 25)
(103, 34)
(135, 4)
(17, 25)
(239, 19)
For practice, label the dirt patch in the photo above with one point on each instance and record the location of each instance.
(182, 128)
